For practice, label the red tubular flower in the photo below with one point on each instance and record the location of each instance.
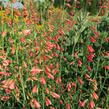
(90, 57)
(35, 71)
(34, 103)
(80, 81)
(47, 101)
(89, 68)
(79, 63)
(91, 104)
(68, 5)
(5, 98)
(95, 96)
(92, 39)
(68, 106)
(90, 49)
(42, 80)
(106, 67)
(61, 102)
(35, 89)
(107, 39)
(82, 103)
(55, 95)
(69, 87)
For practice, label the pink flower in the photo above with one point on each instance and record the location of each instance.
(61, 32)
(95, 96)
(47, 101)
(36, 71)
(58, 80)
(55, 95)
(35, 104)
(92, 39)
(91, 104)
(4, 73)
(8, 91)
(68, 5)
(42, 80)
(76, 55)
(81, 103)
(68, 106)
(90, 57)
(5, 98)
(61, 102)
(90, 49)
(12, 85)
(4, 33)
(35, 89)
(89, 68)
(106, 67)
(26, 32)
(79, 63)
(80, 81)
(69, 86)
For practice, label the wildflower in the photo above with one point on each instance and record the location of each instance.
(10, 84)
(55, 95)
(94, 83)
(69, 86)
(90, 49)
(4, 33)
(6, 63)
(80, 81)
(96, 34)
(26, 32)
(69, 22)
(89, 68)
(8, 91)
(23, 40)
(47, 101)
(35, 104)
(81, 103)
(73, 84)
(79, 62)
(76, 55)
(72, 13)
(106, 67)
(58, 80)
(5, 73)
(106, 54)
(68, 106)
(107, 39)
(5, 98)
(68, 5)
(90, 57)
(61, 102)
(94, 95)
(61, 32)
(42, 80)
(35, 89)
(92, 39)
(47, 71)
(50, 75)
(91, 104)
(47, 91)
(36, 70)
(52, 107)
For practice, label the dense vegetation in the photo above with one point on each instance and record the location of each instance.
(55, 55)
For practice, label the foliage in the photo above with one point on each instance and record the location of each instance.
(54, 57)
